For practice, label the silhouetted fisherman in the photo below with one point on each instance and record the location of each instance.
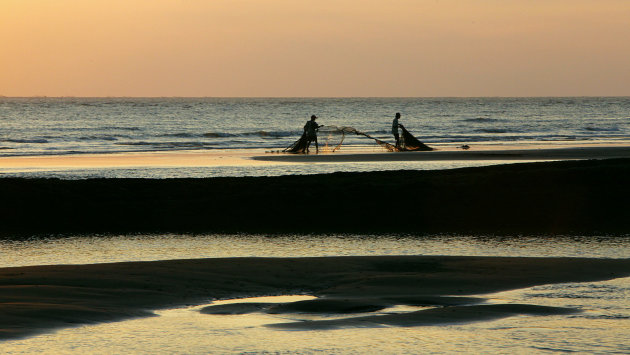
(395, 126)
(310, 132)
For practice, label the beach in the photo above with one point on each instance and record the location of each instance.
(264, 158)
(550, 191)
(553, 192)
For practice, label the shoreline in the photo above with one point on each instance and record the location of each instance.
(514, 153)
(39, 299)
(261, 158)
(562, 197)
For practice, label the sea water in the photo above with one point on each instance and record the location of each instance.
(55, 126)
(92, 125)
(90, 249)
(602, 326)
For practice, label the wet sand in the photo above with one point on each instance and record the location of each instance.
(564, 197)
(480, 153)
(40, 299)
(259, 157)
(131, 160)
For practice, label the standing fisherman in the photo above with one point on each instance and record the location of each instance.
(395, 126)
(310, 131)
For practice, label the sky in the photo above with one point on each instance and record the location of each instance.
(314, 48)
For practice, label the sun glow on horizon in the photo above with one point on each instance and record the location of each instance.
(314, 48)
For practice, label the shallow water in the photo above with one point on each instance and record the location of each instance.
(91, 249)
(603, 326)
(241, 170)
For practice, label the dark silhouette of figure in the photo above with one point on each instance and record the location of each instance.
(310, 132)
(395, 126)
(407, 142)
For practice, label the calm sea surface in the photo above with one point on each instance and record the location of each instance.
(91, 125)
(60, 126)
(603, 326)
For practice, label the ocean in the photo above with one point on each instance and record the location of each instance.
(44, 126)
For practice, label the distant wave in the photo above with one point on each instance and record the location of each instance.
(217, 135)
(83, 129)
(118, 128)
(99, 138)
(480, 119)
(493, 130)
(167, 145)
(71, 129)
(601, 129)
(273, 134)
(180, 135)
(261, 134)
(39, 141)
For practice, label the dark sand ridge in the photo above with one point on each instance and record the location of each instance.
(40, 299)
(565, 197)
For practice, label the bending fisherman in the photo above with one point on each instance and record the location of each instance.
(310, 132)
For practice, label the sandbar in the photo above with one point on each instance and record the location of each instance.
(262, 157)
(164, 159)
(575, 197)
(479, 153)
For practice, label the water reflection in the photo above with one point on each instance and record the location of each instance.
(102, 249)
(602, 327)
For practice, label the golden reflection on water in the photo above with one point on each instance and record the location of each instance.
(603, 327)
(90, 249)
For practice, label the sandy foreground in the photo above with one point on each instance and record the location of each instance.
(40, 299)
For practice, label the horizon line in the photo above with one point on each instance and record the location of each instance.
(306, 97)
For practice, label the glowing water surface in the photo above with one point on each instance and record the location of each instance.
(603, 326)
(90, 249)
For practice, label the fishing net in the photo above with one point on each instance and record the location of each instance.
(330, 139)
(299, 146)
(410, 143)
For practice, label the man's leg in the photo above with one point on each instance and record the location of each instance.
(316, 146)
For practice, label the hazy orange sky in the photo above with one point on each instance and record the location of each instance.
(314, 48)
